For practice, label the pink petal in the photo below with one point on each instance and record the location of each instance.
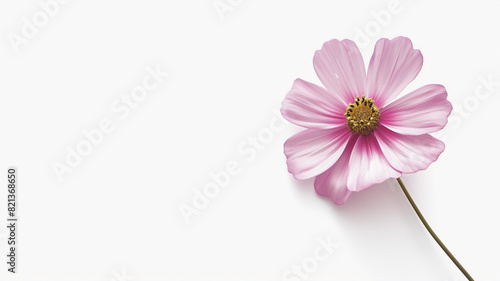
(312, 151)
(311, 106)
(408, 154)
(394, 64)
(422, 111)
(333, 182)
(367, 165)
(340, 67)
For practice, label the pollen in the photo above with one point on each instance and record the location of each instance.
(362, 116)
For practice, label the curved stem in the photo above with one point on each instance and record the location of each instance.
(421, 217)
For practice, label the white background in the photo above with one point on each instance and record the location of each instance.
(116, 215)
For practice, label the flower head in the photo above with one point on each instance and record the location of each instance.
(357, 133)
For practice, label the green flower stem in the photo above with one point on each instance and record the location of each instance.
(421, 217)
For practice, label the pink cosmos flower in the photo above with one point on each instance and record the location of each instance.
(357, 133)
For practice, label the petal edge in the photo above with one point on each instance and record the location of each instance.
(393, 65)
(368, 165)
(311, 106)
(340, 67)
(422, 111)
(311, 152)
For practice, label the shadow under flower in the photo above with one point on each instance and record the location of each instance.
(380, 220)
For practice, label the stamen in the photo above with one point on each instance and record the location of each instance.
(362, 117)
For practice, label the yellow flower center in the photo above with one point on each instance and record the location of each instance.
(362, 116)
